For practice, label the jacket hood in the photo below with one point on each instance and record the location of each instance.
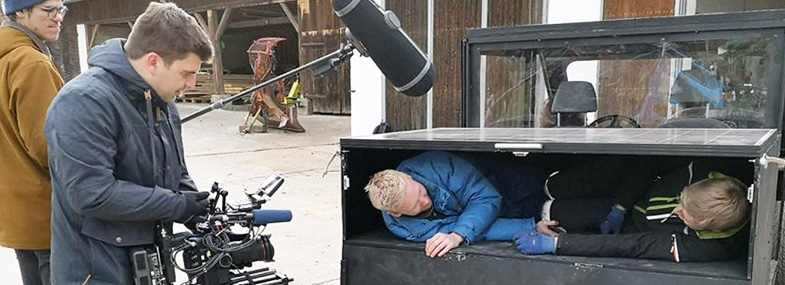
(12, 39)
(111, 57)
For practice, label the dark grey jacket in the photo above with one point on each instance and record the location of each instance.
(105, 199)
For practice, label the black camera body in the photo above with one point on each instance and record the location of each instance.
(212, 253)
(258, 249)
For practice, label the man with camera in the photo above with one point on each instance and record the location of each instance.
(115, 148)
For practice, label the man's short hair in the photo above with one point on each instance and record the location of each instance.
(168, 31)
(717, 204)
(386, 189)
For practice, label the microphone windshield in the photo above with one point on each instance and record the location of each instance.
(378, 34)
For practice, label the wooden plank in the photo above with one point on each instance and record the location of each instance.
(233, 83)
(621, 9)
(218, 66)
(219, 31)
(259, 22)
(401, 111)
(619, 85)
(201, 21)
(508, 83)
(91, 41)
(502, 13)
(291, 16)
(453, 18)
(328, 94)
(105, 11)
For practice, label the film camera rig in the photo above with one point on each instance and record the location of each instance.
(212, 253)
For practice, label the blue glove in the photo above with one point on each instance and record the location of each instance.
(613, 222)
(535, 243)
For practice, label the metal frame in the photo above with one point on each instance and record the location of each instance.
(617, 31)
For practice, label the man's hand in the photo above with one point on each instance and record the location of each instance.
(196, 204)
(192, 224)
(535, 243)
(613, 222)
(550, 228)
(441, 243)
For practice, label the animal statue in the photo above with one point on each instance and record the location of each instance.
(269, 105)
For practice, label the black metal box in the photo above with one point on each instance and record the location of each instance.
(372, 254)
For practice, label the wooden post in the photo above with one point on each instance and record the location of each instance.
(215, 31)
(93, 34)
(292, 17)
(218, 67)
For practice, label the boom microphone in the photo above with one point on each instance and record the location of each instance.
(263, 217)
(378, 34)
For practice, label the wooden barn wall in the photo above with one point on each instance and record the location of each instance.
(619, 82)
(237, 41)
(64, 54)
(628, 9)
(503, 13)
(453, 18)
(321, 32)
(106, 11)
(406, 112)
(505, 95)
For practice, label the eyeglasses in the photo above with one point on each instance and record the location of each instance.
(53, 11)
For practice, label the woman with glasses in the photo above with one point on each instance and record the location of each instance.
(29, 82)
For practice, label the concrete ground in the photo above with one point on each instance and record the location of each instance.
(308, 248)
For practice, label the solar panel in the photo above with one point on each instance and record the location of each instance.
(715, 142)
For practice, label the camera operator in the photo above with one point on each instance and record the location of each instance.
(115, 146)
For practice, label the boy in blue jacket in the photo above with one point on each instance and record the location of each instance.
(443, 200)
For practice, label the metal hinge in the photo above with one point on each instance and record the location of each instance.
(587, 265)
(765, 160)
(456, 256)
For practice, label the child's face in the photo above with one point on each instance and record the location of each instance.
(415, 199)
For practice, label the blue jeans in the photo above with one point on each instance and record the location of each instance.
(34, 265)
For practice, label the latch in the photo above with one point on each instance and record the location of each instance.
(519, 149)
(587, 265)
(345, 178)
(335, 154)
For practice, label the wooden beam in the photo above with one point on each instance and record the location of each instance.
(218, 66)
(93, 34)
(106, 11)
(292, 18)
(200, 20)
(219, 31)
(218, 5)
(130, 24)
(259, 22)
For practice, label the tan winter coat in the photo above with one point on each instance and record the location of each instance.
(29, 82)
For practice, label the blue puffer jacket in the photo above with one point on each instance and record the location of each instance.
(107, 194)
(460, 192)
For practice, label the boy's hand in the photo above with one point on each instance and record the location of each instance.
(441, 243)
(613, 222)
(550, 228)
(535, 243)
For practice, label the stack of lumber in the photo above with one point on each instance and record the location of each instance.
(205, 87)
